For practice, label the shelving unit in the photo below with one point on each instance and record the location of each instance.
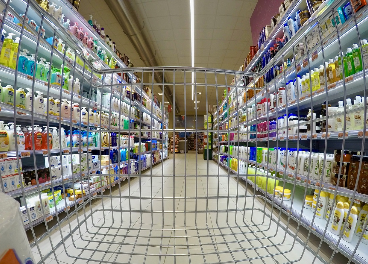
(108, 118)
(254, 122)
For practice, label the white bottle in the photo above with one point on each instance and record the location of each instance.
(340, 117)
(332, 119)
(84, 116)
(10, 129)
(75, 111)
(29, 99)
(70, 83)
(55, 138)
(20, 139)
(76, 86)
(315, 166)
(337, 218)
(362, 219)
(65, 109)
(349, 115)
(57, 107)
(321, 206)
(350, 226)
(358, 113)
(330, 205)
(92, 121)
(63, 138)
(39, 103)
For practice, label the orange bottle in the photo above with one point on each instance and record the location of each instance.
(37, 138)
(44, 138)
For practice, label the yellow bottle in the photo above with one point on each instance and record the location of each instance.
(312, 75)
(317, 85)
(14, 54)
(327, 73)
(331, 71)
(338, 68)
(4, 138)
(307, 85)
(6, 50)
(322, 79)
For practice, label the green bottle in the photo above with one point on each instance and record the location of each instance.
(349, 63)
(357, 57)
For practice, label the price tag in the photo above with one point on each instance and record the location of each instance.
(282, 138)
(324, 134)
(349, 79)
(25, 154)
(360, 134)
(66, 209)
(314, 136)
(66, 151)
(3, 155)
(305, 62)
(94, 194)
(48, 218)
(315, 55)
(341, 135)
(304, 137)
(80, 201)
(45, 152)
(29, 77)
(74, 121)
(298, 68)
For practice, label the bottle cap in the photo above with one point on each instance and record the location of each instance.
(354, 210)
(340, 205)
(355, 46)
(341, 103)
(346, 205)
(348, 101)
(349, 50)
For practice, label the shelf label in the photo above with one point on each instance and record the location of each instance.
(80, 201)
(94, 194)
(324, 134)
(349, 79)
(25, 154)
(3, 155)
(341, 135)
(66, 151)
(48, 218)
(360, 134)
(305, 62)
(66, 209)
(298, 68)
(45, 152)
(315, 55)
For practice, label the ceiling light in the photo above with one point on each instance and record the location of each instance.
(192, 40)
(197, 102)
(196, 107)
(166, 102)
(199, 93)
(160, 93)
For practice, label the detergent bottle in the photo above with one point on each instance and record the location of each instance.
(22, 61)
(6, 50)
(4, 138)
(14, 54)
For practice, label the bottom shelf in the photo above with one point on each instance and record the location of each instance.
(305, 217)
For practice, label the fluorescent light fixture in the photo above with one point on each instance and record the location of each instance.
(197, 102)
(199, 93)
(166, 102)
(192, 40)
(160, 93)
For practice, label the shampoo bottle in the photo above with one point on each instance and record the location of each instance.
(22, 61)
(349, 115)
(10, 129)
(29, 99)
(357, 58)
(351, 224)
(6, 50)
(20, 138)
(30, 65)
(338, 68)
(14, 54)
(362, 218)
(8, 95)
(340, 117)
(20, 99)
(349, 63)
(337, 218)
(39, 104)
(358, 113)
(331, 71)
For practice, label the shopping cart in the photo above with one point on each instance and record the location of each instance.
(100, 186)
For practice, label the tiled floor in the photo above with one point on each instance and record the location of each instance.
(201, 218)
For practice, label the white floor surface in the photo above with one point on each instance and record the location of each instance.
(133, 224)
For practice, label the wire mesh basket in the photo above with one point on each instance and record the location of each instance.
(267, 180)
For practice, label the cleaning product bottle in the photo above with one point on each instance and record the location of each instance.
(322, 80)
(331, 71)
(22, 61)
(57, 107)
(90, 21)
(330, 205)
(4, 138)
(338, 68)
(358, 113)
(317, 84)
(346, 210)
(14, 54)
(75, 113)
(362, 218)
(27, 137)
(357, 58)
(37, 138)
(20, 138)
(340, 117)
(41, 69)
(8, 95)
(337, 218)
(63, 138)
(84, 116)
(30, 66)
(29, 99)
(20, 99)
(6, 50)
(76, 86)
(65, 109)
(39, 104)
(55, 138)
(307, 85)
(349, 63)
(10, 129)
(44, 138)
(351, 224)
(349, 115)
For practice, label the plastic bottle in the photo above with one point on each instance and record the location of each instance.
(65, 109)
(1, 92)
(90, 21)
(57, 107)
(307, 85)
(357, 58)
(75, 113)
(340, 117)
(346, 210)
(361, 219)
(349, 63)
(14, 54)
(44, 139)
(29, 99)
(8, 95)
(20, 138)
(330, 205)
(39, 103)
(364, 44)
(322, 80)
(76, 86)
(331, 71)
(351, 224)
(20, 98)
(358, 113)
(10, 129)
(4, 138)
(349, 115)
(338, 68)
(22, 61)
(41, 69)
(317, 84)
(6, 50)
(55, 138)
(102, 33)
(337, 218)
(322, 205)
(30, 65)
(84, 116)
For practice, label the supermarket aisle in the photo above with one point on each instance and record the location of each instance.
(207, 230)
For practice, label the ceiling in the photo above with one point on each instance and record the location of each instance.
(222, 39)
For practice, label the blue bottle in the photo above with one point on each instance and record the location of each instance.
(22, 62)
(30, 65)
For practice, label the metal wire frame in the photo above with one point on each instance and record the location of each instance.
(118, 230)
